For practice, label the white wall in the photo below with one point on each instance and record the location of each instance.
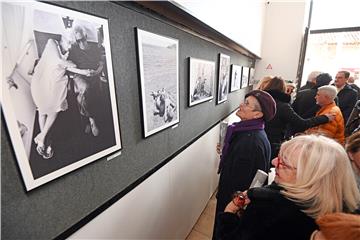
(283, 31)
(168, 203)
(240, 20)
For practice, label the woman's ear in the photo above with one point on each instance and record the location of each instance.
(258, 114)
(351, 156)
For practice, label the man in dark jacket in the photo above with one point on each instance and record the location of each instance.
(246, 147)
(311, 81)
(305, 103)
(351, 82)
(347, 95)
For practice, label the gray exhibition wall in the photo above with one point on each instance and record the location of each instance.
(51, 209)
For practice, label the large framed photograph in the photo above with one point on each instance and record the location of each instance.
(245, 77)
(223, 78)
(201, 80)
(235, 82)
(58, 94)
(252, 80)
(158, 64)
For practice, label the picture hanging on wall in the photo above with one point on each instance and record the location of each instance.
(252, 77)
(158, 64)
(245, 77)
(201, 80)
(235, 77)
(223, 78)
(58, 95)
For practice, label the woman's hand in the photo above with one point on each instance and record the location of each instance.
(218, 148)
(331, 116)
(239, 201)
(232, 207)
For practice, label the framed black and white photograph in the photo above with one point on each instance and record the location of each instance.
(252, 80)
(58, 96)
(158, 64)
(235, 82)
(245, 77)
(201, 80)
(223, 78)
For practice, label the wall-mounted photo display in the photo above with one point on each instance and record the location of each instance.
(159, 70)
(201, 80)
(235, 82)
(58, 94)
(252, 77)
(223, 78)
(245, 77)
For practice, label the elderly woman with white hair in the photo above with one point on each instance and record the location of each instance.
(313, 178)
(336, 128)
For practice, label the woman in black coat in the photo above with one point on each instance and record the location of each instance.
(246, 147)
(313, 178)
(286, 121)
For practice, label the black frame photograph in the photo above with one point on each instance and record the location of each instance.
(235, 82)
(244, 77)
(252, 80)
(159, 79)
(201, 80)
(223, 78)
(59, 98)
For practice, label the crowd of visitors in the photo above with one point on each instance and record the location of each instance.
(315, 193)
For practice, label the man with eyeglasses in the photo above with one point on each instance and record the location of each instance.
(246, 147)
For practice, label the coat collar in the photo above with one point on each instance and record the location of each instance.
(279, 96)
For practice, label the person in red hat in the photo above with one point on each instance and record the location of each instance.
(246, 147)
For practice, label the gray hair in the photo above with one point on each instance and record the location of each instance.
(312, 76)
(329, 90)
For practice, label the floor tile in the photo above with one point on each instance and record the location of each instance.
(205, 224)
(210, 208)
(195, 235)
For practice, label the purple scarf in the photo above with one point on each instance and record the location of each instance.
(247, 125)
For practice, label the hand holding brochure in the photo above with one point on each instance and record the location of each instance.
(259, 179)
(223, 128)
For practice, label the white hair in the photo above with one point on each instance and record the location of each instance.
(312, 76)
(325, 182)
(329, 90)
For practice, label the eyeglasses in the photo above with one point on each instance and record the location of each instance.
(283, 165)
(253, 108)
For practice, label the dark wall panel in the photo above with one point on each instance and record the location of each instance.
(52, 208)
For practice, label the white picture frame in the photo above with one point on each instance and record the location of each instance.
(223, 78)
(158, 60)
(235, 83)
(245, 77)
(201, 81)
(34, 31)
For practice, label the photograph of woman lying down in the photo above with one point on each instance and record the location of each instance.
(59, 88)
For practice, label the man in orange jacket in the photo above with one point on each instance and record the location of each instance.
(333, 129)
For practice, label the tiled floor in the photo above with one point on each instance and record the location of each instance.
(204, 226)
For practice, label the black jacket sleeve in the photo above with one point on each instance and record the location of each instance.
(228, 226)
(297, 123)
(347, 103)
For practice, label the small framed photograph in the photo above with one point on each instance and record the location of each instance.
(235, 82)
(159, 70)
(59, 98)
(201, 80)
(223, 78)
(245, 77)
(252, 77)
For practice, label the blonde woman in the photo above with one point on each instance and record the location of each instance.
(313, 177)
(263, 82)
